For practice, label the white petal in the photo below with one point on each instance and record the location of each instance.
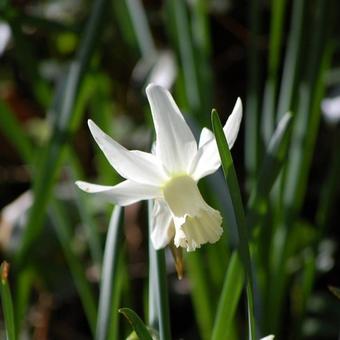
(176, 145)
(136, 165)
(163, 229)
(196, 223)
(124, 193)
(207, 159)
(233, 123)
(164, 71)
(205, 136)
(268, 337)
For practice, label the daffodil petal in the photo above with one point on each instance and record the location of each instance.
(124, 193)
(205, 136)
(138, 166)
(176, 145)
(207, 159)
(232, 126)
(163, 229)
(268, 337)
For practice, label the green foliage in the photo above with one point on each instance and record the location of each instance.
(93, 60)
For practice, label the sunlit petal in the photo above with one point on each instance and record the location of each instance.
(124, 193)
(232, 126)
(138, 166)
(207, 160)
(196, 223)
(176, 145)
(268, 337)
(163, 229)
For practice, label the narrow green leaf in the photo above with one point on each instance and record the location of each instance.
(269, 103)
(64, 125)
(230, 296)
(7, 304)
(201, 293)
(293, 58)
(232, 182)
(88, 221)
(141, 29)
(158, 292)
(136, 323)
(11, 128)
(23, 285)
(63, 230)
(109, 279)
(181, 33)
(252, 112)
(270, 169)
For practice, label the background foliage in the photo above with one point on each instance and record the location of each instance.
(75, 261)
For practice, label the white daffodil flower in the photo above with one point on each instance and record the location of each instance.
(169, 175)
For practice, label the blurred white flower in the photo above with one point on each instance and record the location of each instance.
(268, 337)
(160, 70)
(5, 36)
(164, 72)
(331, 109)
(169, 175)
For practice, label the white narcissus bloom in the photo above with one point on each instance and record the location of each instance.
(268, 337)
(169, 175)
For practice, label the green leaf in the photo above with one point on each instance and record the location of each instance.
(136, 323)
(90, 225)
(293, 58)
(269, 102)
(109, 278)
(230, 296)
(180, 28)
(270, 169)
(65, 124)
(12, 129)
(252, 112)
(232, 183)
(141, 28)
(7, 304)
(158, 291)
(63, 230)
(201, 293)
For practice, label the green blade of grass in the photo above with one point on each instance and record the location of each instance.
(269, 102)
(232, 182)
(201, 41)
(305, 132)
(230, 296)
(252, 114)
(64, 111)
(12, 129)
(280, 253)
(293, 59)
(201, 293)
(136, 323)
(63, 230)
(158, 294)
(27, 60)
(23, 286)
(109, 280)
(182, 36)
(141, 29)
(88, 222)
(7, 304)
(270, 169)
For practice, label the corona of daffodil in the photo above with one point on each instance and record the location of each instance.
(169, 175)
